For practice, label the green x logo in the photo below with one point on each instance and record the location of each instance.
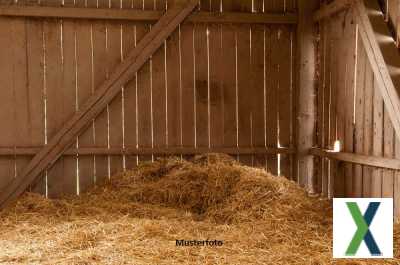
(363, 233)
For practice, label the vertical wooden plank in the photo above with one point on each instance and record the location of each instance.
(201, 46)
(388, 151)
(130, 92)
(359, 118)
(284, 98)
(70, 96)
(35, 72)
(271, 94)
(160, 88)
(99, 74)
(115, 106)
(396, 188)
(56, 104)
(368, 119)
(228, 56)
(333, 100)
(257, 84)
(216, 65)
(319, 162)
(7, 114)
(341, 74)
(350, 45)
(376, 178)
(201, 85)
(144, 92)
(243, 90)
(173, 90)
(85, 88)
(20, 89)
(188, 85)
(326, 103)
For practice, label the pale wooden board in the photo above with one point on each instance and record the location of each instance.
(368, 133)
(257, 102)
(326, 117)
(99, 75)
(216, 90)
(130, 90)
(359, 118)
(388, 151)
(7, 114)
(34, 31)
(341, 68)
(244, 88)
(244, 91)
(188, 86)
(70, 181)
(377, 140)
(115, 106)
(320, 163)
(145, 128)
(173, 90)
(85, 88)
(272, 61)
(201, 85)
(337, 184)
(285, 98)
(348, 145)
(58, 99)
(229, 81)
(159, 87)
(396, 184)
(20, 87)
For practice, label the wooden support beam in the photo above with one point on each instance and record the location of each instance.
(98, 101)
(306, 93)
(31, 151)
(382, 54)
(373, 161)
(334, 7)
(143, 15)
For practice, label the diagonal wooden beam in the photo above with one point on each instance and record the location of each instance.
(382, 54)
(328, 10)
(97, 102)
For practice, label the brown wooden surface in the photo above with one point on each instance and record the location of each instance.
(114, 57)
(144, 16)
(85, 88)
(191, 95)
(66, 136)
(7, 164)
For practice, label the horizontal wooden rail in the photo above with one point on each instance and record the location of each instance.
(31, 151)
(373, 161)
(144, 15)
(330, 9)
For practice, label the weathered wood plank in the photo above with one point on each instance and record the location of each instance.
(367, 160)
(145, 15)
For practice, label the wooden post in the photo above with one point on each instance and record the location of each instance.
(306, 93)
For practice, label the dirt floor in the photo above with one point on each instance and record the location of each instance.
(137, 218)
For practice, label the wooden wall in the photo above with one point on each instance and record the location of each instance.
(209, 86)
(351, 110)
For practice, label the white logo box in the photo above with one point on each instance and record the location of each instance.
(344, 227)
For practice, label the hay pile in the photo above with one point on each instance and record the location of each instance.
(136, 218)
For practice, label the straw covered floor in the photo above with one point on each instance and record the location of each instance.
(137, 217)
